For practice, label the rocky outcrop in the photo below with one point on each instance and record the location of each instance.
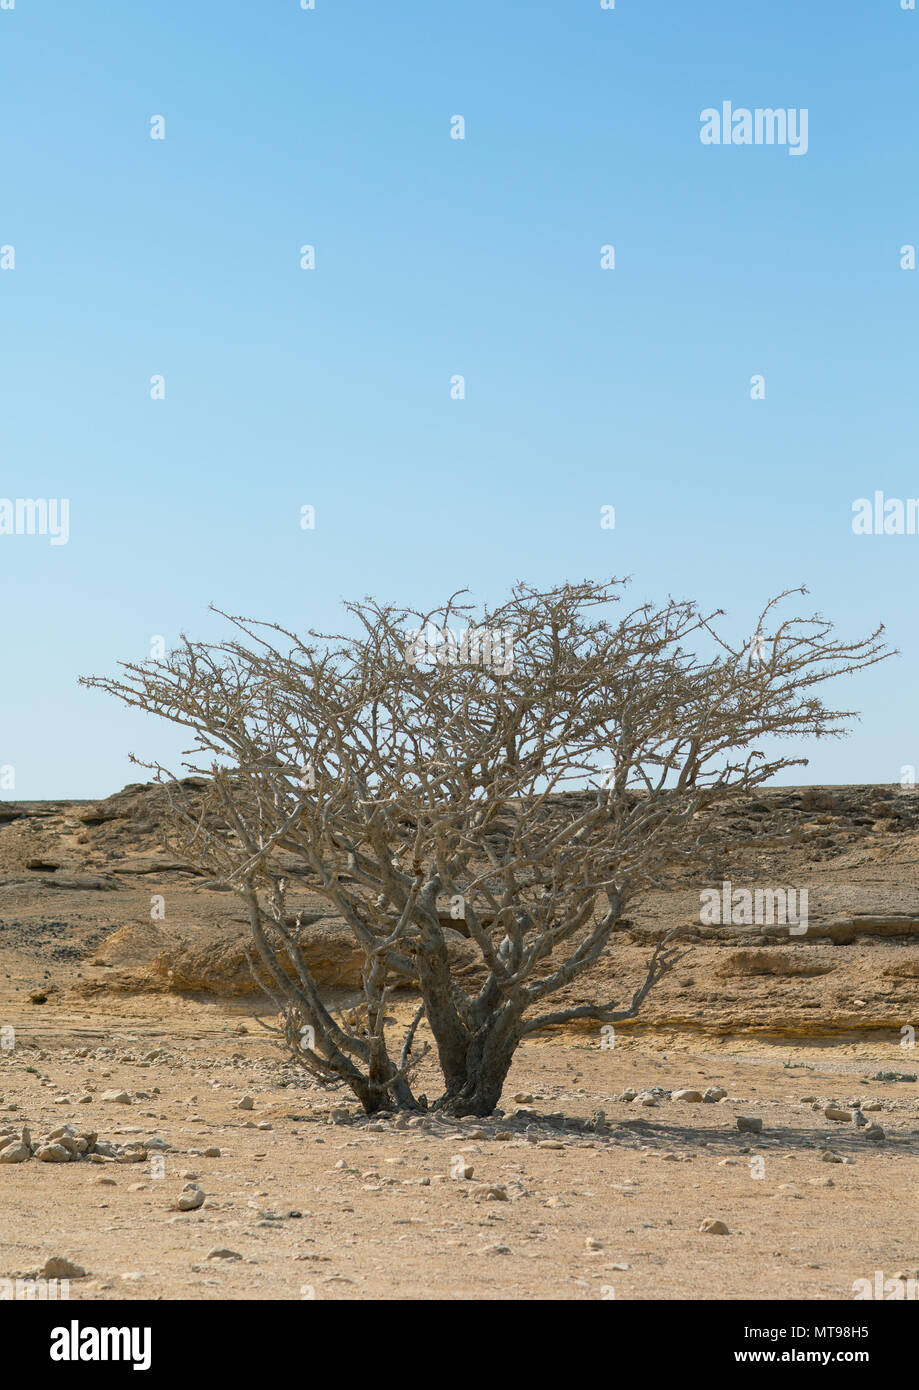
(91, 900)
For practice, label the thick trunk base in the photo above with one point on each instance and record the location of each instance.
(488, 1061)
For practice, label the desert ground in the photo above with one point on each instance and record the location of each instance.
(138, 1039)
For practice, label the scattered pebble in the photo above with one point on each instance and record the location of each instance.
(713, 1227)
(190, 1199)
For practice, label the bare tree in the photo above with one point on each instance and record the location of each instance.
(419, 758)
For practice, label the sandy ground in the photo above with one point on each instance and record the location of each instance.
(381, 1216)
(97, 994)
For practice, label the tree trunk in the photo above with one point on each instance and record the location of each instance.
(372, 1096)
(379, 1091)
(451, 1035)
(488, 1059)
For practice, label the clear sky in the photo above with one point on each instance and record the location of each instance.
(437, 257)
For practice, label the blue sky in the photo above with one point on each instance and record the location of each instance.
(434, 257)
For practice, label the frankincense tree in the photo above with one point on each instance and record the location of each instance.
(418, 757)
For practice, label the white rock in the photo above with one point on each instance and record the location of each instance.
(190, 1198)
(712, 1227)
(52, 1153)
(17, 1152)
